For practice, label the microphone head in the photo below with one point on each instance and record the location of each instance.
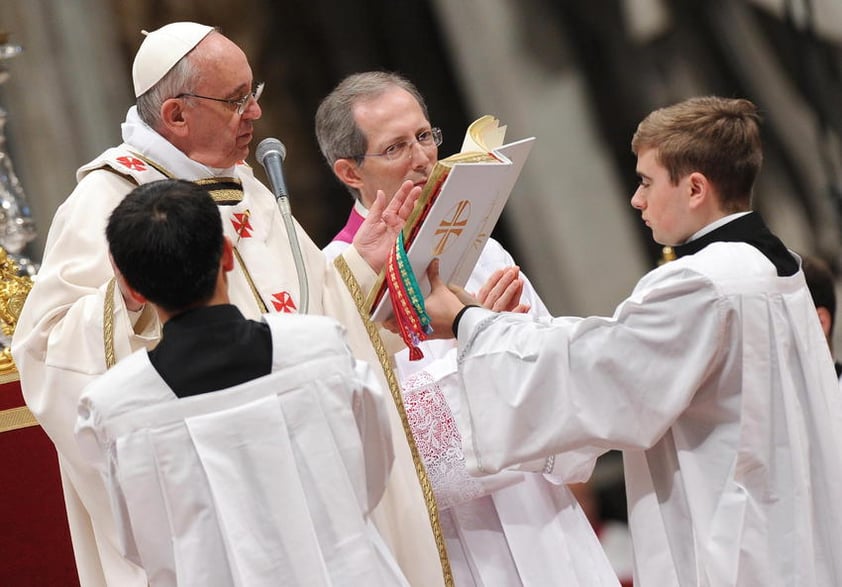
(267, 146)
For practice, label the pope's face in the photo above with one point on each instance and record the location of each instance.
(390, 118)
(217, 135)
(664, 207)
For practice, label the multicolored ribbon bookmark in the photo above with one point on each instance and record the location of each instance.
(407, 301)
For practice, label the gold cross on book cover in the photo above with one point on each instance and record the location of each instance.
(458, 208)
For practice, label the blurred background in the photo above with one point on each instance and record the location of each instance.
(577, 74)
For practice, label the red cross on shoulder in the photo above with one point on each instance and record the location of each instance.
(132, 163)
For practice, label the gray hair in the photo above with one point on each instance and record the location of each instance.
(336, 130)
(180, 79)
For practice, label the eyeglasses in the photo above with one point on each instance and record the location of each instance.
(402, 149)
(239, 105)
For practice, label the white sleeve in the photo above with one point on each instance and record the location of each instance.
(375, 434)
(534, 388)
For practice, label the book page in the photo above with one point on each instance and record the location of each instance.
(485, 134)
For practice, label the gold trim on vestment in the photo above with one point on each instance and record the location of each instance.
(9, 376)
(126, 176)
(394, 387)
(16, 418)
(108, 303)
(130, 178)
(260, 303)
(156, 166)
(108, 324)
(225, 191)
(13, 291)
(226, 196)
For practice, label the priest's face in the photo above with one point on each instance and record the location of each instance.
(393, 118)
(215, 133)
(664, 206)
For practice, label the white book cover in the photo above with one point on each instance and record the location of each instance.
(461, 214)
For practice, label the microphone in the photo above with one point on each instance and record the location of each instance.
(271, 154)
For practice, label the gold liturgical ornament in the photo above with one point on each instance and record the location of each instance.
(13, 291)
(16, 230)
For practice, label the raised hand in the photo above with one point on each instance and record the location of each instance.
(378, 232)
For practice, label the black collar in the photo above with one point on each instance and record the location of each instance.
(749, 229)
(203, 316)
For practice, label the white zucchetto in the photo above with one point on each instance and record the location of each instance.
(162, 49)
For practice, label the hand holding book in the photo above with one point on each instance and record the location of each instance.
(458, 208)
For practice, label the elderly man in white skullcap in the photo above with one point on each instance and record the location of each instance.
(196, 106)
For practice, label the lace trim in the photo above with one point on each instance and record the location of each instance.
(439, 442)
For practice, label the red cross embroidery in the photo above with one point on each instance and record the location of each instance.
(241, 223)
(283, 302)
(132, 163)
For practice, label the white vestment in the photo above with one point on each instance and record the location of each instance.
(512, 528)
(715, 380)
(263, 484)
(59, 348)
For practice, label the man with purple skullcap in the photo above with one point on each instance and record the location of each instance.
(196, 106)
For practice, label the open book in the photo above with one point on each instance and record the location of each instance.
(458, 208)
